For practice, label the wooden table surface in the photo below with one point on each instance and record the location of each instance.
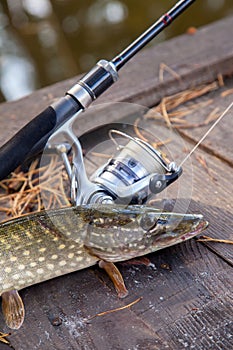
(187, 291)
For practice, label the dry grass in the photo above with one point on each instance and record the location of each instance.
(3, 339)
(104, 313)
(163, 68)
(141, 134)
(174, 118)
(21, 193)
(215, 240)
(227, 93)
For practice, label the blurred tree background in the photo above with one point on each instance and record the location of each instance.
(45, 41)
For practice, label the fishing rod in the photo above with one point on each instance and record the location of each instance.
(34, 135)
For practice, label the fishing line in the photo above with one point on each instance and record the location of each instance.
(207, 133)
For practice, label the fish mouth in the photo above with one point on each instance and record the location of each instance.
(201, 226)
(176, 228)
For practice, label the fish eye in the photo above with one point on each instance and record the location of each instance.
(148, 222)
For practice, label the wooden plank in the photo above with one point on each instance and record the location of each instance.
(196, 302)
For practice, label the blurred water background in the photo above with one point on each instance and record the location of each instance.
(45, 41)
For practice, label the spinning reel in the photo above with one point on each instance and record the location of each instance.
(131, 176)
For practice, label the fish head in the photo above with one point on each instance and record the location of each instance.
(118, 234)
(165, 229)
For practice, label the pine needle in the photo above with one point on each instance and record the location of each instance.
(4, 340)
(210, 239)
(115, 310)
(165, 110)
(39, 188)
(164, 67)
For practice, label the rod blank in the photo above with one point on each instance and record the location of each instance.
(120, 60)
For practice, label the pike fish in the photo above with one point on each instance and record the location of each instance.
(44, 245)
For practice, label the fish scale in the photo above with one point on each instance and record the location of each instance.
(44, 245)
(31, 252)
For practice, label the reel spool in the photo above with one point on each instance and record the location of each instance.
(136, 172)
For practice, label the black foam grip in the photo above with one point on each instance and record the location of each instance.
(14, 152)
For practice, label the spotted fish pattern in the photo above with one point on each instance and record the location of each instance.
(41, 246)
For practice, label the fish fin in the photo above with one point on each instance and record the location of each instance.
(115, 276)
(13, 309)
(141, 260)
